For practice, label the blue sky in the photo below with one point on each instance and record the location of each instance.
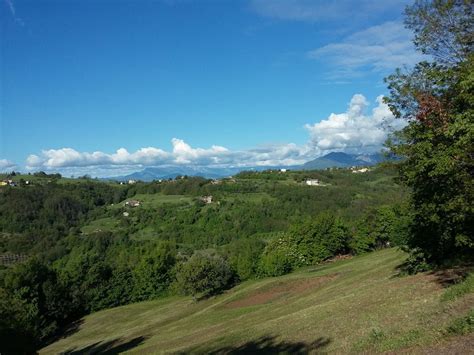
(113, 86)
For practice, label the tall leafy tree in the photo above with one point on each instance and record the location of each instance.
(437, 99)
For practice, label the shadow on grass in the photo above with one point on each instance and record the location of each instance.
(269, 345)
(66, 332)
(451, 276)
(444, 276)
(115, 346)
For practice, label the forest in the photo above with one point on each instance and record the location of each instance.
(83, 248)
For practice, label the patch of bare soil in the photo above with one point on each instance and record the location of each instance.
(282, 289)
(448, 277)
(339, 257)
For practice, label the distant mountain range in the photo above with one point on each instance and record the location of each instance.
(170, 172)
(342, 160)
(336, 159)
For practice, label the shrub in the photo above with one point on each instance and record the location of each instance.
(280, 257)
(205, 273)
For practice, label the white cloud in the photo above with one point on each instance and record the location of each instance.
(68, 157)
(379, 48)
(353, 130)
(324, 10)
(6, 165)
(184, 154)
(73, 162)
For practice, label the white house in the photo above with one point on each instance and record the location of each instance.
(363, 170)
(313, 182)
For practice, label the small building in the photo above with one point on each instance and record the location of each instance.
(363, 170)
(131, 182)
(283, 170)
(206, 199)
(132, 203)
(313, 182)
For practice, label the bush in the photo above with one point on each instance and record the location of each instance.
(244, 256)
(205, 273)
(280, 257)
(321, 239)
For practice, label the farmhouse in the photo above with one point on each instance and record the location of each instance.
(132, 203)
(313, 182)
(206, 199)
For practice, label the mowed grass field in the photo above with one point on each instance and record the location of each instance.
(348, 306)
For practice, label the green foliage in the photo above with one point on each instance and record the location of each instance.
(442, 28)
(280, 257)
(305, 244)
(416, 262)
(244, 256)
(205, 273)
(34, 301)
(385, 226)
(153, 274)
(321, 238)
(437, 145)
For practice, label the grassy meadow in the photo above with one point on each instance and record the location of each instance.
(356, 305)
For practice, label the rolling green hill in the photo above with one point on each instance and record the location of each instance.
(348, 306)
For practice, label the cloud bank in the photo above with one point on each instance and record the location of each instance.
(351, 131)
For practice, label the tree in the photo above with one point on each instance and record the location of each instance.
(437, 145)
(37, 303)
(205, 273)
(152, 275)
(443, 28)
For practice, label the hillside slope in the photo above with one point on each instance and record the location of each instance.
(352, 305)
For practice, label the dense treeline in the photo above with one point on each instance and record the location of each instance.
(253, 228)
